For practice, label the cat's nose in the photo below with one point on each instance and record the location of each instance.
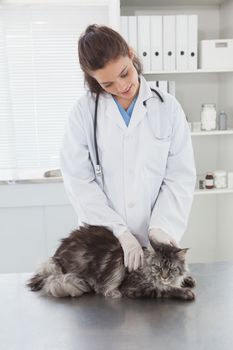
(164, 276)
(165, 280)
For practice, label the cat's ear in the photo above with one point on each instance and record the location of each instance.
(181, 252)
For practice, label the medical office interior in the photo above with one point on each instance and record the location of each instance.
(40, 79)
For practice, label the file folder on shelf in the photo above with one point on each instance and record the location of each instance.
(182, 42)
(192, 41)
(161, 84)
(172, 87)
(156, 43)
(169, 43)
(144, 41)
(132, 32)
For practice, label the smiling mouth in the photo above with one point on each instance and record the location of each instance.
(125, 92)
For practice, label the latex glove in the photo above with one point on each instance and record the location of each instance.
(158, 235)
(133, 253)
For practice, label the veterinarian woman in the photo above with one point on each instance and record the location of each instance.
(126, 158)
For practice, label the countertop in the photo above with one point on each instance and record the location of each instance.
(29, 321)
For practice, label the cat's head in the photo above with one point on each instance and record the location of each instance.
(168, 263)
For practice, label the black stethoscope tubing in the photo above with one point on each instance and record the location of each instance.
(97, 167)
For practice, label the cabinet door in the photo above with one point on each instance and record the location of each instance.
(22, 239)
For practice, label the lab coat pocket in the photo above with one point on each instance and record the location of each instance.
(156, 155)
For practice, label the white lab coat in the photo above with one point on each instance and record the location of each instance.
(148, 167)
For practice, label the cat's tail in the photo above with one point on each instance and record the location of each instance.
(50, 280)
(47, 269)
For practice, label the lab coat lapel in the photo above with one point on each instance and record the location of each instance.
(138, 114)
(113, 113)
(140, 110)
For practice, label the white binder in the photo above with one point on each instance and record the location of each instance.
(169, 43)
(124, 27)
(163, 85)
(172, 87)
(132, 33)
(144, 41)
(192, 40)
(156, 43)
(154, 84)
(182, 42)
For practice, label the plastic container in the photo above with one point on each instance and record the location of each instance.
(220, 179)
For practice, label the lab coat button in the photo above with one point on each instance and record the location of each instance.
(130, 204)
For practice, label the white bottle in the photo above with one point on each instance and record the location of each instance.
(222, 121)
(208, 117)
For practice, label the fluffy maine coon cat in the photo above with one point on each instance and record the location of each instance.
(91, 259)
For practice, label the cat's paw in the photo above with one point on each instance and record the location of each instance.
(115, 293)
(189, 282)
(188, 294)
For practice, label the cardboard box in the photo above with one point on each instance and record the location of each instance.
(216, 54)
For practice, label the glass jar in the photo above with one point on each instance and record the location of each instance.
(220, 179)
(208, 117)
(209, 181)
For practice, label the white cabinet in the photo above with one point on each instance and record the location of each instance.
(210, 230)
(33, 218)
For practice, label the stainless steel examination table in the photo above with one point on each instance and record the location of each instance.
(31, 322)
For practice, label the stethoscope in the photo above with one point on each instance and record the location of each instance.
(98, 170)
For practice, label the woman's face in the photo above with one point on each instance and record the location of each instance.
(119, 77)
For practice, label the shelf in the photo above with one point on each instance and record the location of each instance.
(212, 133)
(170, 2)
(228, 70)
(213, 191)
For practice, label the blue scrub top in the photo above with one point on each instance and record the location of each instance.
(126, 114)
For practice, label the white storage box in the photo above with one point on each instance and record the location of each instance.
(216, 54)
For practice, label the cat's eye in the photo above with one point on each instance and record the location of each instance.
(157, 268)
(174, 269)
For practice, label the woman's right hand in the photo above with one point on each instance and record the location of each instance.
(133, 253)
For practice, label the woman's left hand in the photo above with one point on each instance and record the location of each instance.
(158, 235)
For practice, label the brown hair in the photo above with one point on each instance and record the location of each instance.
(96, 47)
